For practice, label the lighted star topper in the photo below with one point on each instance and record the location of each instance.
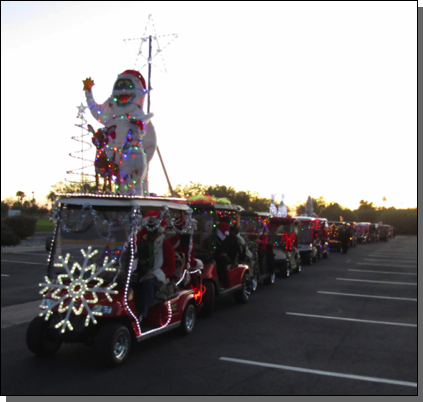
(150, 30)
(77, 289)
(81, 109)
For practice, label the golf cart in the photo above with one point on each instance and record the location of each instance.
(252, 226)
(322, 244)
(362, 232)
(213, 225)
(384, 232)
(91, 282)
(305, 228)
(284, 255)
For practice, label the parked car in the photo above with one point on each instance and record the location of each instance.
(253, 227)
(213, 225)
(91, 282)
(283, 253)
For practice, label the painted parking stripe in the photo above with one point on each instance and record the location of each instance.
(385, 265)
(374, 297)
(4, 275)
(383, 272)
(320, 372)
(355, 320)
(380, 260)
(388, 283)
(398, 257)
(25, 262)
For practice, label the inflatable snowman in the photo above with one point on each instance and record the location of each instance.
(133, 143)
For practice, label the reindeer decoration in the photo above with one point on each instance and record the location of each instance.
(104, 167)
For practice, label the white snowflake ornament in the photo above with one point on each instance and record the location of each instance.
(77, 289)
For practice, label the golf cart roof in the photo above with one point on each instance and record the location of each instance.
(304, 218)
(255, 213)
(112, 200)
(227, 207)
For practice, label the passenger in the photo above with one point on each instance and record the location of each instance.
(156, 261)
(344, 237)
(227, 253)
(323, 234)
(262, 248)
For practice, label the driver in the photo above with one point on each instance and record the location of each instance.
(156, 261)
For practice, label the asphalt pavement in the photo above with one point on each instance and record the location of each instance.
(343, 326)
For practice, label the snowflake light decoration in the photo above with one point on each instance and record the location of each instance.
(77, 288)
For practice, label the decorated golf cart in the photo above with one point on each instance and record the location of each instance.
(253, 227)
(93, 277)
(362, 232)
(284, 255)
(305, 229)
(220, 276)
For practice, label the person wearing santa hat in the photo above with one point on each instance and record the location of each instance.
(156, 261)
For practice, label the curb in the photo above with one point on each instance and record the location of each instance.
(15, 250)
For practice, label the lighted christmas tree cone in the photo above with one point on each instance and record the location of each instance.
(134, 131)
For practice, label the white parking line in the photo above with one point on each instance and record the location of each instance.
(375, 297)
(4, 275)
(26, 262)
(389, 283)
(320, 372)
(354, 319)
(385, 265)
(379, 260)
(393, 257)
(382, 272)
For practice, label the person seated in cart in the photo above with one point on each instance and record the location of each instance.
(323, 234)
(227, 253)
(183, 244)
(156, 262)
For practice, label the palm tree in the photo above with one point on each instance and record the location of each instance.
(51, 197)
(21, 195)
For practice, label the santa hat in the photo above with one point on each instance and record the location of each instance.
(223, 229)
(135, 74)
(152, 218)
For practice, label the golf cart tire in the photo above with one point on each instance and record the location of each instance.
(243, 295)
(112, 344)
(38, 340)
(188, 320)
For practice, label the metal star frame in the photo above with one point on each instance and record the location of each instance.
(150, 30)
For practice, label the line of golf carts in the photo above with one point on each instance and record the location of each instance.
(92, 279)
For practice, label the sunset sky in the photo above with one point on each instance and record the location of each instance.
(300, 98)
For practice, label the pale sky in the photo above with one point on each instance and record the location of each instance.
(299, 98)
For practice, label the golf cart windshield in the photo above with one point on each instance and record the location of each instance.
(89, 238)
(304, 232)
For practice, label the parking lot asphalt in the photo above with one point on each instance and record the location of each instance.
(343, 326)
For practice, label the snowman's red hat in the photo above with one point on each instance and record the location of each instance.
(136, 74)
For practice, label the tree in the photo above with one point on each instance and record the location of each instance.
(367, 212)
(21, 195)
(72, 187)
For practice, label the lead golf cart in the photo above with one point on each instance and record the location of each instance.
(89, 290)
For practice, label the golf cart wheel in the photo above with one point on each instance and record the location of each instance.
(243, 295)
(270, 280)
(112, 344)
(38, 339)
(208, 299)
(188, 320)
(254, 282)
(286, 272)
